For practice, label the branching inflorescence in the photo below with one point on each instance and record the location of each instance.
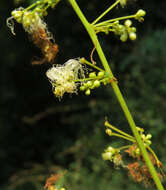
(73, 74)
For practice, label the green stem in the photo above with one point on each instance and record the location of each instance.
(105, 12)
(115, 19)
(124, 147)
(117, 130)
(83, 60)
(117, 92)
(123, 137)
(154, 155)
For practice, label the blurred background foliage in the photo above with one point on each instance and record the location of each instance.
(40, 135)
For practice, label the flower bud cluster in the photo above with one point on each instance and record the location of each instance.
(125, 31)
(146, 139)
(139, 15)
(94, 81)
(112, 155)
(63, 77)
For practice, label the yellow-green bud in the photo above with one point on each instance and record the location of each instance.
(89, 83)
(105, 81)
(132, 36)
(87, 92)
(85, 85)
(100, 74)
(148, 136)
(92, 75)
(143, 137)
(82, 88)
(137, 151)
(111, 149)
(133, 29)
(17, 15)
(140, 13)
(128, 23)
(107, 156)
(96, 83)
(123, 2)
(124, 37)
(148, 142)
(108, 132)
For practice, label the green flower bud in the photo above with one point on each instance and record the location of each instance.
(105, 81)
(17, 15)
(100, 74)
(92, 75)
(89, 83)
(107, 156)
(96, 83)
(132, 36)
(124, 37)
(82, 88)
(143, 137)
(133, 29)
(108, 132)
(148, 136)
(111, 149)
(85, 85)
(128, 23)
(140, 13)
(148, 142)
(137, 151)
(123, 2)
(87, 92)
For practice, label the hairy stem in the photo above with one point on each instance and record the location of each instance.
(117, 92)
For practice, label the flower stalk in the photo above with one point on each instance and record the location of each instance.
(118, 93)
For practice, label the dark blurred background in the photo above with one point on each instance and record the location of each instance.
(40, 135)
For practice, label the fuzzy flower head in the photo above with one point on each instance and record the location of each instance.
(63, 78)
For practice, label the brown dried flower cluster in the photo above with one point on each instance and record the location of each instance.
(138, 169)
(48, 48)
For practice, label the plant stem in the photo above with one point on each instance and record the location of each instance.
(118, 130)
(117, 92)
(115, 19)
(105, 12)
(123, 137)
(83, 60)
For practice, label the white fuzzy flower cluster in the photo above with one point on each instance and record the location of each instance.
(63, 78)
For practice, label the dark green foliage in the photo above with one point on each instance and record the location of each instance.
(40, 135)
